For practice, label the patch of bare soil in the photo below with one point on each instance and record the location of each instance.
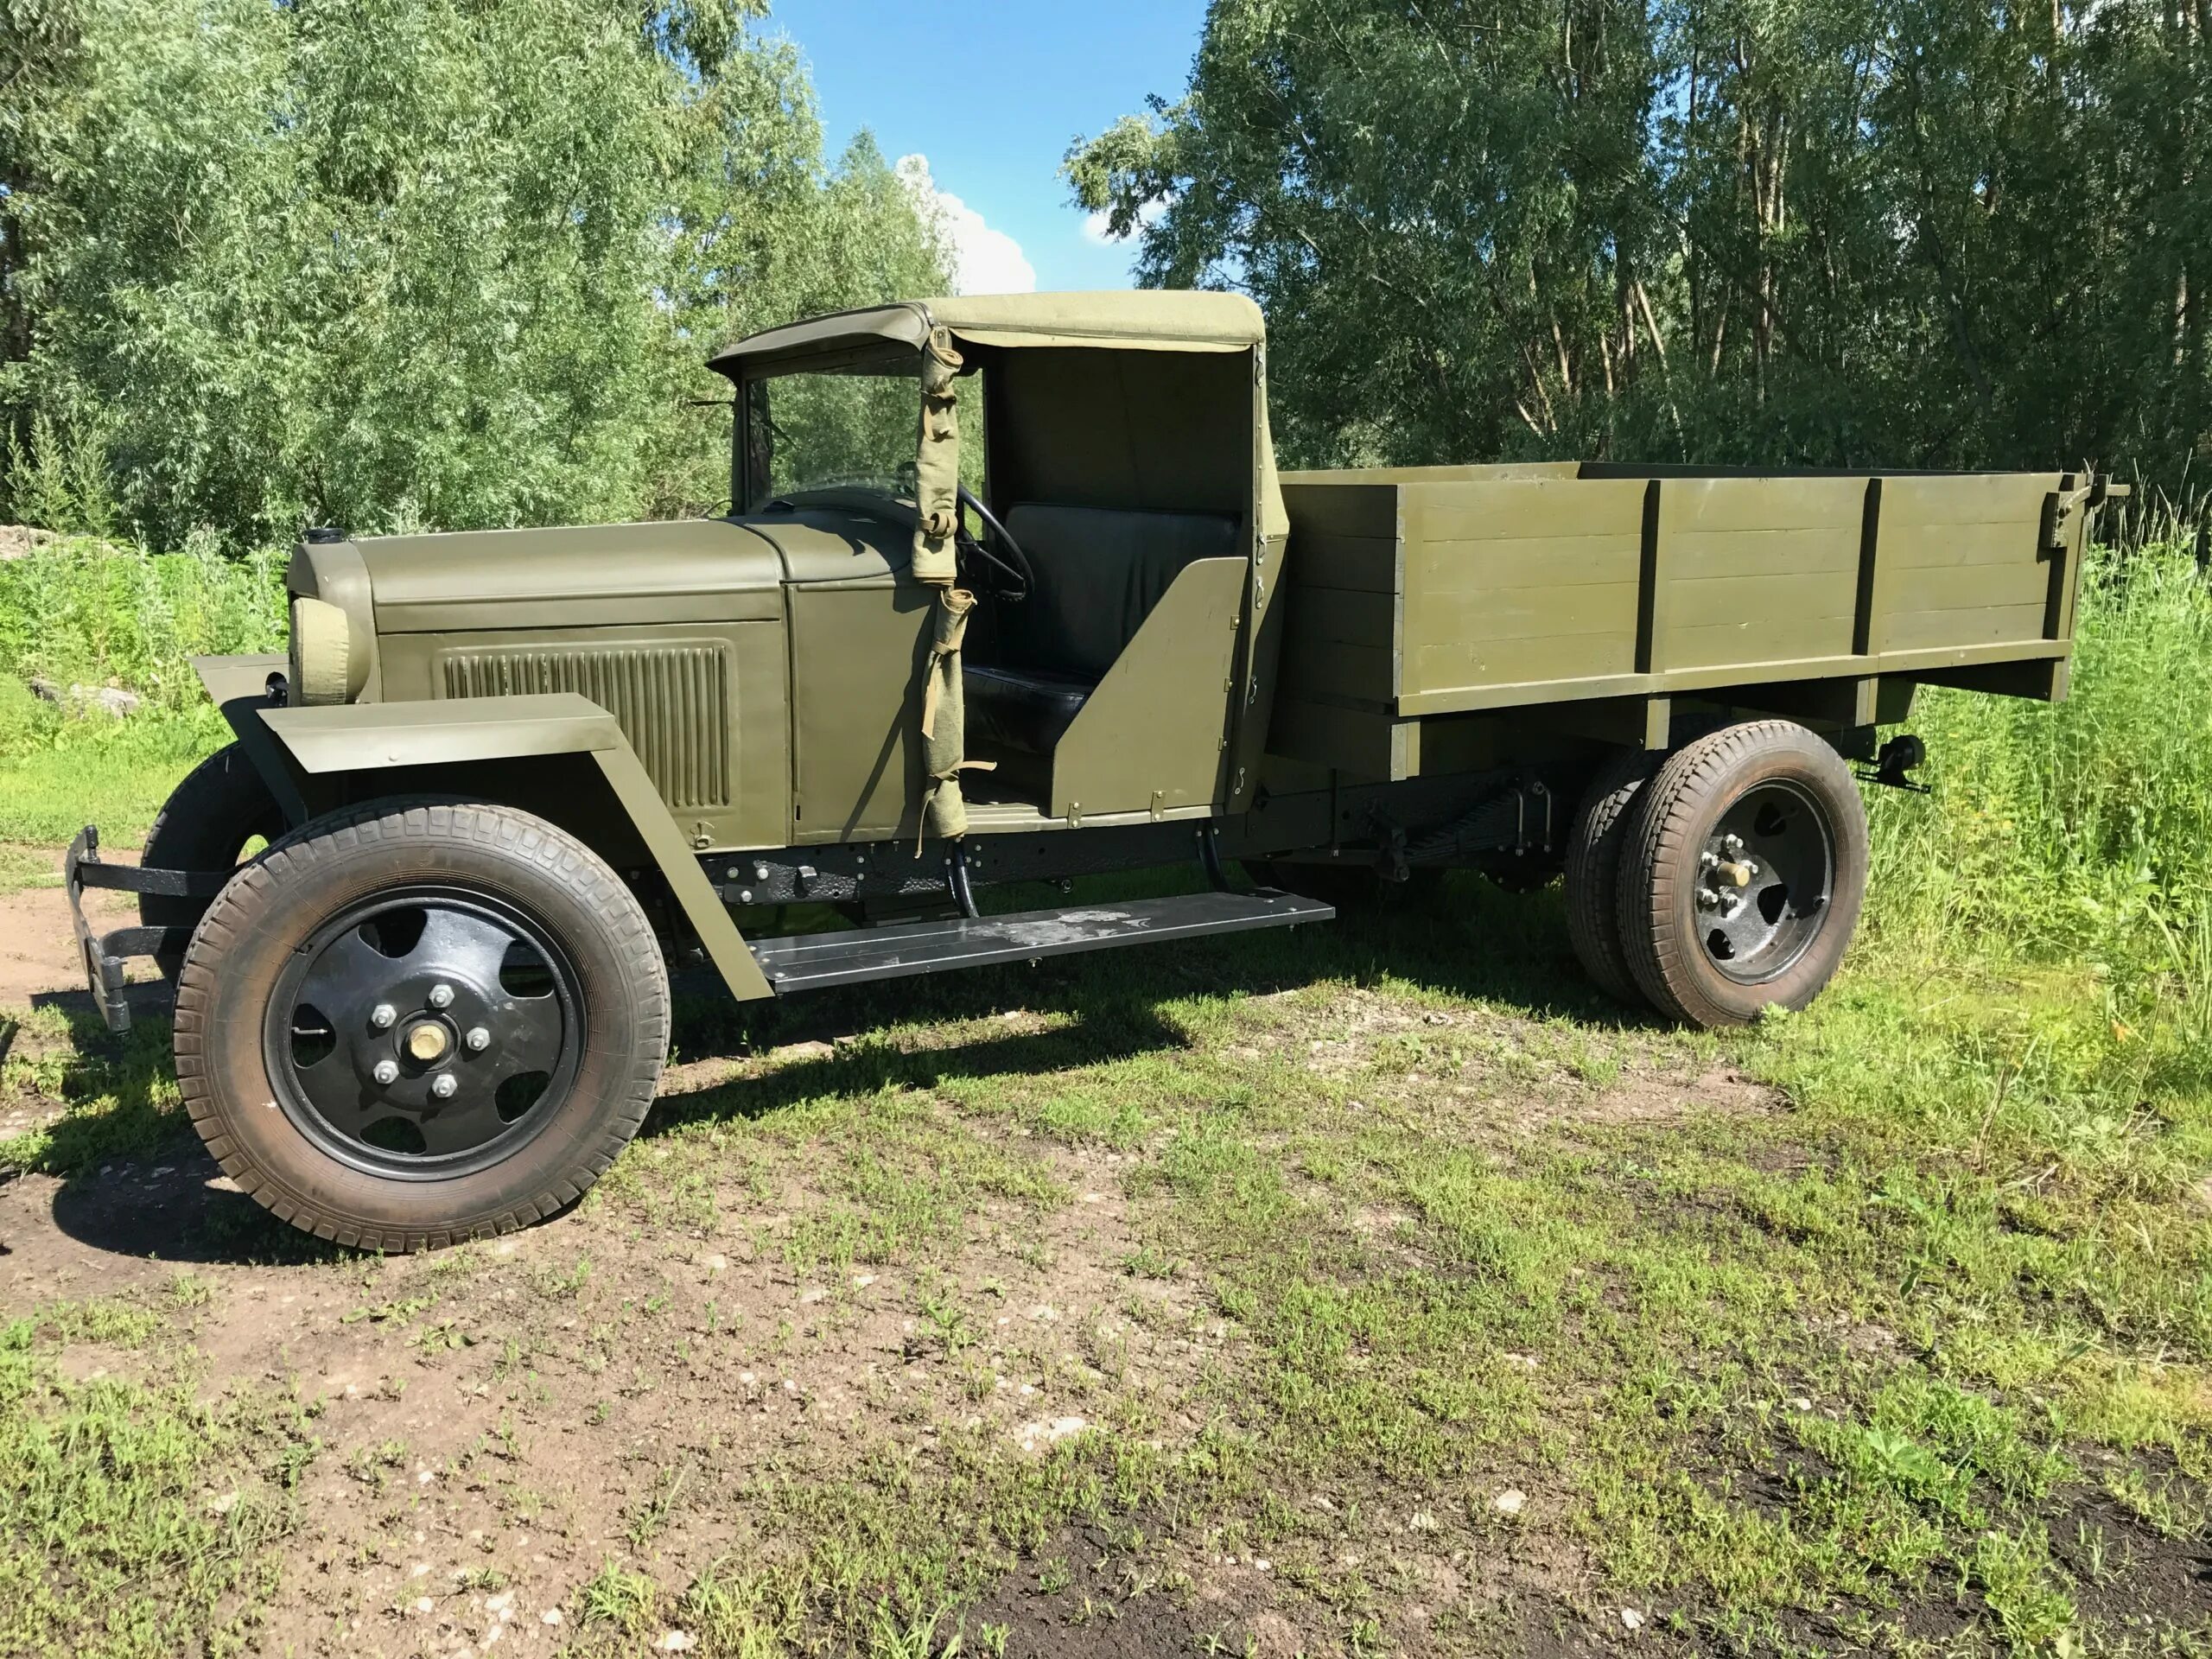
(38, 944)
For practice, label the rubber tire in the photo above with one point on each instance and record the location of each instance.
(275, 903)
(1594, 841)
(204, 826)
(1658, 876)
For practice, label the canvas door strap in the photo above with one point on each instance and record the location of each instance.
(937, 470)
(944, 719)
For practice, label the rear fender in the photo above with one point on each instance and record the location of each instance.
(544, 745)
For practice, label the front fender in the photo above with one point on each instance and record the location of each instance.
(355, 738)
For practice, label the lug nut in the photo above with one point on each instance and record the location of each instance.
(478, 1039)
(441, 996)
(383, 1016)
(387, 1072)
(442, 1085)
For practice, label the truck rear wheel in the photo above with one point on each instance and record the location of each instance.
(421, 1021)
(1742, 874)
(209, 820)
(1593, 862)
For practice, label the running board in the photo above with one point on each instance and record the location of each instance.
(812, 962)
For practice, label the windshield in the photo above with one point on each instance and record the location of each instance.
(835, 429)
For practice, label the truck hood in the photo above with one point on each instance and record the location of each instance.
(691, 570)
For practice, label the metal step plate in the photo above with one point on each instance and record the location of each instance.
(811, 962)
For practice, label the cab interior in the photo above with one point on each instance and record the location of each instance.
(1113, 471)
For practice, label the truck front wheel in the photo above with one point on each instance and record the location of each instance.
(421, 1021)
(1742, 874)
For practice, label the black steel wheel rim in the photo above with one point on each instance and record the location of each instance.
(426, 1032)
(1765, 882)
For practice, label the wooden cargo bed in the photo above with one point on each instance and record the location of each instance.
(1422, 593)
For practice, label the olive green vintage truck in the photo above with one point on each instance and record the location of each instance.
(1011, 591)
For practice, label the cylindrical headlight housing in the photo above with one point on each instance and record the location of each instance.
(321, 654)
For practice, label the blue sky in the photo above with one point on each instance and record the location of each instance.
(992, 91)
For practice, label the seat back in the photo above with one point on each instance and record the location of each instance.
(1098, 574)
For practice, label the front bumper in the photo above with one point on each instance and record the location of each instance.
(105, 953)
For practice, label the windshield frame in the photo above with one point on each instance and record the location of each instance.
(752, 458)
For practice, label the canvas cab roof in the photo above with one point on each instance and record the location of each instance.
(1138, 319)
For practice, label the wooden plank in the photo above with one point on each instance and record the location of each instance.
(1635, 722)
(1521, 510)
(1448, 619)
(1504, 566)
(1331, 668)
(1364, 510)
(2045, 681)
(1452, 665)
(1467, 699)
(1766, 636)
(1911, 631)
(2025, 581)
(1365, 744)
(1360, 563)
(1920, 660)
(1348, 615)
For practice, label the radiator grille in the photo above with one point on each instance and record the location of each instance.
(672, 702)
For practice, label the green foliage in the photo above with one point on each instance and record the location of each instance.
(1891, 233)
(407, 262)
(2082, 833)
(79, 611)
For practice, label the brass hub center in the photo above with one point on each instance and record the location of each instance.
(429, 1041)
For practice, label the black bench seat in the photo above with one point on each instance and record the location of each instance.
(1098, 574)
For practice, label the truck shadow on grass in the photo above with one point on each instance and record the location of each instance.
(137, 1182)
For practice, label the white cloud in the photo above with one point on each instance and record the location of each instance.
(1098, 226)
(985, 261)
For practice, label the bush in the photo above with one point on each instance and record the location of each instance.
(80, 610)
(2080, 832)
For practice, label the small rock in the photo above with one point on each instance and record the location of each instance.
(1044, 1313)
(551, 1616)
(677, 1642)
(1509, 1502)
(500, 1603)
(423, 1604)
(715, 1263)
(863, 1281)
(814, 1051)
(109, 700)
(1802, 1404)
(813, 1294)
(224, 1504)
(1423, 1520)
(1630, 1619)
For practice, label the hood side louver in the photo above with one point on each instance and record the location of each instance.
(672, 702)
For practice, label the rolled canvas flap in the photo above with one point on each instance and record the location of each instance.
(937, 492)
(945, 718)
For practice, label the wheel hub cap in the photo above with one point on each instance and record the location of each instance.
(1765, 875)
(363, 1038)
(428, 1042)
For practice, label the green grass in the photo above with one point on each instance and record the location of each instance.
(136, 1518)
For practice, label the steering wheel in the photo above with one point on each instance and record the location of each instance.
(1014, 565)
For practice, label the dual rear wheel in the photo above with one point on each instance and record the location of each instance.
(1722, 879)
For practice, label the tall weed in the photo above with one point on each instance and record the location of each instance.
(2081, 832)
(81, 610)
